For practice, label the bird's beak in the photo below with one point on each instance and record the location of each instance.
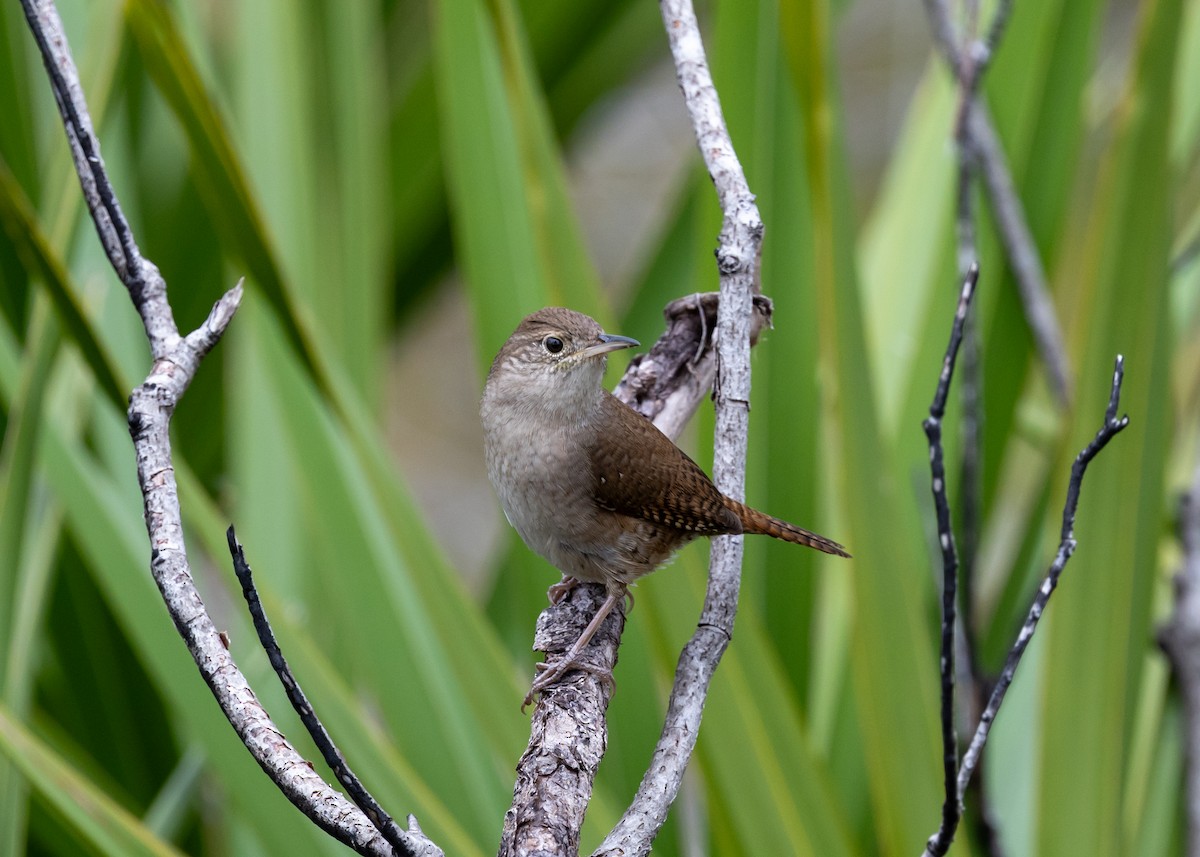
(608, 342)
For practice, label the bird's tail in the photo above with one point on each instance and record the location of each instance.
(760, 523)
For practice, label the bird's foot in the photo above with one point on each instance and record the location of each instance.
(549, 674)
(562, 589)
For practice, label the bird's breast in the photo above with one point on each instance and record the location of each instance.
(540, 475)
(546, 485)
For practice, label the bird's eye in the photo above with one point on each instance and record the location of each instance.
(553, 344)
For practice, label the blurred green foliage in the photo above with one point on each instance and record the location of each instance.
(345, 158)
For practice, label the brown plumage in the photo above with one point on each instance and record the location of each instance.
(590, 484)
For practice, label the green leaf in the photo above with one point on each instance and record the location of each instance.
(1100, 621)
(891, 652)
(517, 237)
(84, 809)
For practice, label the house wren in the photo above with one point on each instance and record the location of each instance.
(590, 484)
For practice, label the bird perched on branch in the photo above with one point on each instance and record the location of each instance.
(590, 484)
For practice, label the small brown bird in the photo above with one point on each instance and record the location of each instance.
(590, 484)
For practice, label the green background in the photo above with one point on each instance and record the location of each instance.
(399, 183)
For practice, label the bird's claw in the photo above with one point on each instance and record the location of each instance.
(561, 590)
(549, 674)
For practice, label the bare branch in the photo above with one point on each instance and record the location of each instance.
(150, 409)
(952, 806)
(970, 66)
(939, 843)
(1020, 250)
(384, 823)
(151, 405)
(568, 733)
(969, 57)
(738, 261)
(1111, 428)
(142, 279)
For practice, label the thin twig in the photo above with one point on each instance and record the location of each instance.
(970, 68)
(1111, 428)
(952, 806)
(333, 757)
(939, 843)
(176, 360)
(996, 30)
(1021, 251)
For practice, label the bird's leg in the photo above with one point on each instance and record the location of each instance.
(549, 674)
(562, 589)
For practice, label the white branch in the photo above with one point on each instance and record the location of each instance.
(738, 260)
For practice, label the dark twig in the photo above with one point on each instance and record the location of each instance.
(970, 486)
(333, 757)
(1180, 639)
(972, 59)
(1111, 428)
(151, 405)
(972, 64)
(952, 806)
(939, 843)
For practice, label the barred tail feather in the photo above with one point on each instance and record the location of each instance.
(759, 523)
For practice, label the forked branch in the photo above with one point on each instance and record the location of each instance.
(151, 405)
(956, 781)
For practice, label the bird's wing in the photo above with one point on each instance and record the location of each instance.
(639, 472)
